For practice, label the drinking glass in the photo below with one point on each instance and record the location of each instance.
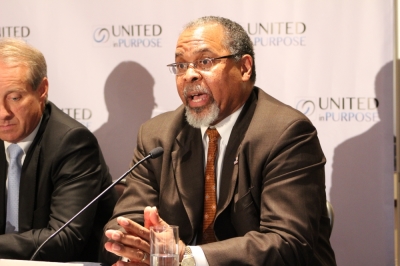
(164, 242)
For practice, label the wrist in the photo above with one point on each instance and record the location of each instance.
(188, 259)
(182, 248)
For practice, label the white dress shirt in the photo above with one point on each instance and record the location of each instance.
(23, 144)
(224, 129)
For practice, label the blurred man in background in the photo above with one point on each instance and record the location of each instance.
(50, 167)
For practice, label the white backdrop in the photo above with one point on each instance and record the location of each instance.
(330, 59)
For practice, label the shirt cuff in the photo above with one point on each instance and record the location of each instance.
(199, 256)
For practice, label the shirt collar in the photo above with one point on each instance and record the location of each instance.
(225, 126)
(26, 142)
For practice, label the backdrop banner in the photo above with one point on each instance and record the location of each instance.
(332, 60)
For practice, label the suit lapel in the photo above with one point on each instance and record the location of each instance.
(187, 160)
(3, 177)
(229, 169)
(30, 177)
(28, 189)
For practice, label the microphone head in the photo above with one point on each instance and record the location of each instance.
(156, 152)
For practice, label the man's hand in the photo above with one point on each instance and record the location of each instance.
(151, 218)
(134, 244)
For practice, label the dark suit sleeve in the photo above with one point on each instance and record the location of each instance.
(142, 190)
(287, 174)
(70, 176)
(277, 214)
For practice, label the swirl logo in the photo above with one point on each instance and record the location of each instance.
(307, 107)
(101, 35)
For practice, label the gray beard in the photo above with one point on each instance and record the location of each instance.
(196, 119)
(201, 116)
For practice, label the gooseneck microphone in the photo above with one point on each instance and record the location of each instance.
(154, 153)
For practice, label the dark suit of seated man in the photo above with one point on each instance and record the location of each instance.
(62, 167)
(267, 205)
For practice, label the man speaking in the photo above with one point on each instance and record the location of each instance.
(242, 174)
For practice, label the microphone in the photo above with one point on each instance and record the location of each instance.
(154, 153)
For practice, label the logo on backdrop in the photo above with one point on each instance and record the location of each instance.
(19, 32)
(82, 115)
(307, 107)
(128, 36)
(339, 109)
(101, 35)
(279, 34)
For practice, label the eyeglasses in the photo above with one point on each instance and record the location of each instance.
(203, 65)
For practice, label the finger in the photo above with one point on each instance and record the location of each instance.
(113, 248)
(147, 222)
(133, 254)
(152, 218)
(142, 258)
(155, 218)
(123, 239)
(127, 239)
(123, 263)
(181, 249)
(115, 235)
(133, 228)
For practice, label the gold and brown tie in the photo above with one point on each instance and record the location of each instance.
(210, 198)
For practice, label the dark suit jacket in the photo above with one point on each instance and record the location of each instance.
(62, 172)
(272, 203)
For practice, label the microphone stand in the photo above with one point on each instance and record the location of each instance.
(153, 154)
